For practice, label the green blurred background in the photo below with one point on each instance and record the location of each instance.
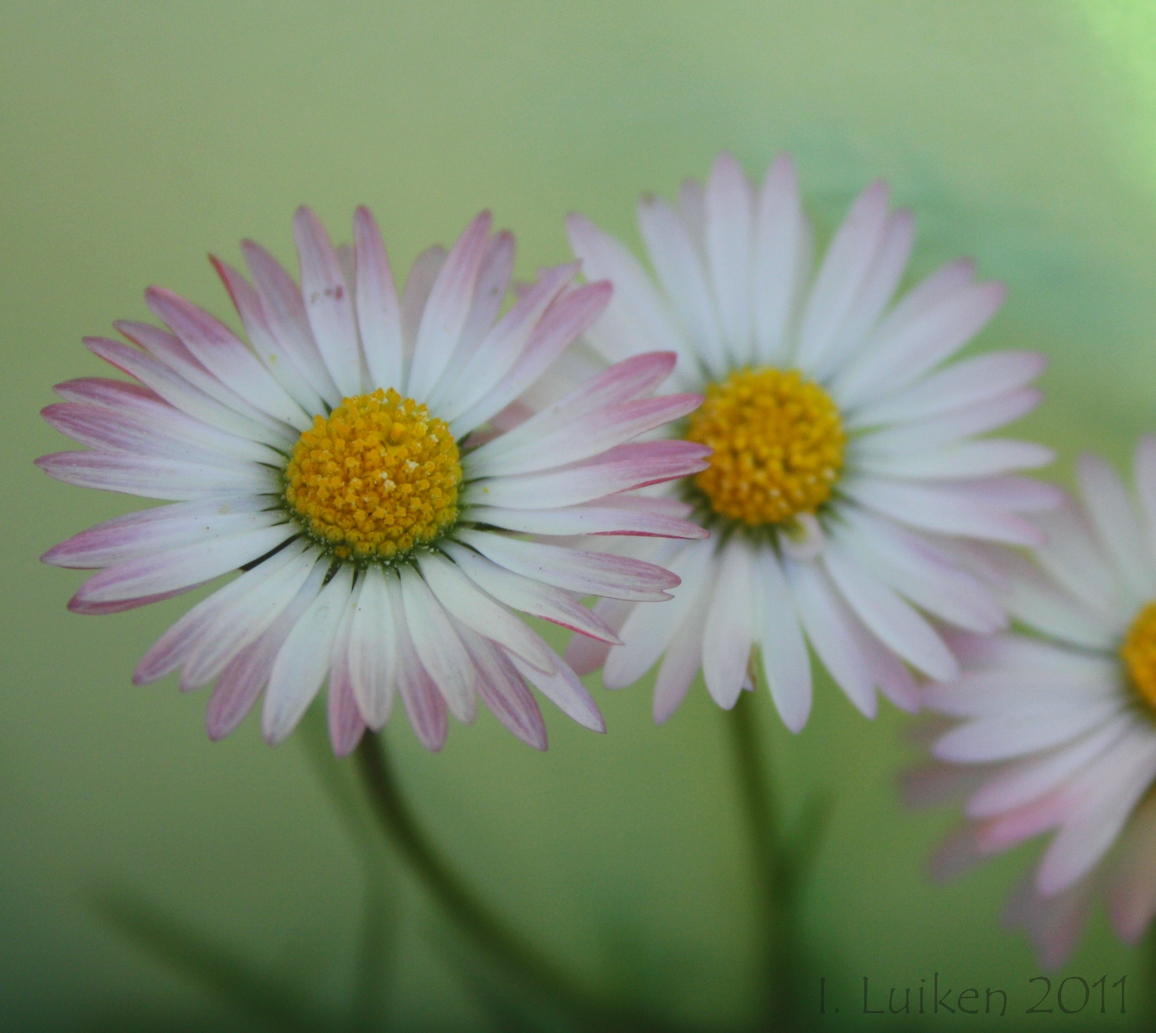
(136, 137)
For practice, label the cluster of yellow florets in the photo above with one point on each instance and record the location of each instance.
(1139, 654)
(778, 446)
(376, 478)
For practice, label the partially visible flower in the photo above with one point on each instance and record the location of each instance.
(381, 546)
(844, 459)
(1059, 726)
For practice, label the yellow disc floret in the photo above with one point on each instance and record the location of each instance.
(778, 446)
(376, 478)
(1139, 654)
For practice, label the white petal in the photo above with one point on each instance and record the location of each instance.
(1116, 525)
(378, 308)
(447, 309)
(840, 277)
(328, 303)
(438, 647)
(786, 664)
(649, 629)
(1083, 840)
(782, 260)
(303, 660)
(892, 620)
(565, 691)
(829, 627)
(727, 636)
(373, 649)
(637, 318)
(728, 250)
(1021, 783)
(961, 385)
(683, 278)
(914, 568)
(461, 597)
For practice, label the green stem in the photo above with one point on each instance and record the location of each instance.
(773, 871)
(500, 943)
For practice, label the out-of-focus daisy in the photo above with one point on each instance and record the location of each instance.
(1059, 728)
(844, 451)
(380, 545)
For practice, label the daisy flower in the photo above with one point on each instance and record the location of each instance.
(1058, 728)
(351, 464)
(844, 452)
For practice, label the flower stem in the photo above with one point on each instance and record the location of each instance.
(496, 940)
(772, 863)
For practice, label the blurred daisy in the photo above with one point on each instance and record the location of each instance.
(380, 545)
(1060, 728)
(844, 456)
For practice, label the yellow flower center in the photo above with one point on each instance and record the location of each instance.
(376, 478)
(778, 445)
(1139, 654)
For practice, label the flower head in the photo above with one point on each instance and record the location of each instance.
(1058, 728)
(844, 455)
(366, 465)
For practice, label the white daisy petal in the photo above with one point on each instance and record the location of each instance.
(829, 628)
(781, 261)
(1028, 780)
(530, 596)
(500, 349)
(156, 530)
(169, 350)
(1116, 526)
(589, 573)
(447, 308)
(913, 567)
(967, 383)
(141, 403)
(242, 622)
(378, 307)
(786, 663)
(438, 647)
(470, 606)
(328, 303)
(683, 657)
(840, 277)
(891, 620)
(186, 397)
(302, 662)
(637, 318)
(424, 705)
(565, 691)
(504, 691)
(247, 673)
(284, 309)
(728, 633)
(648, 630)
(267, 345)
(902, 356)
(681, 273)
(1084, 839)
(219, 351)
(728, 217)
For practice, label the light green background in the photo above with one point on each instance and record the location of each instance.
(136, 137)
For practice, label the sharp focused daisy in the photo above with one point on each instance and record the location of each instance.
(1060, 726)
(338, 464)
(844, 461)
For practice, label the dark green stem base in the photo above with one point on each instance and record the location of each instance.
(500, 944)
(773, 869)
